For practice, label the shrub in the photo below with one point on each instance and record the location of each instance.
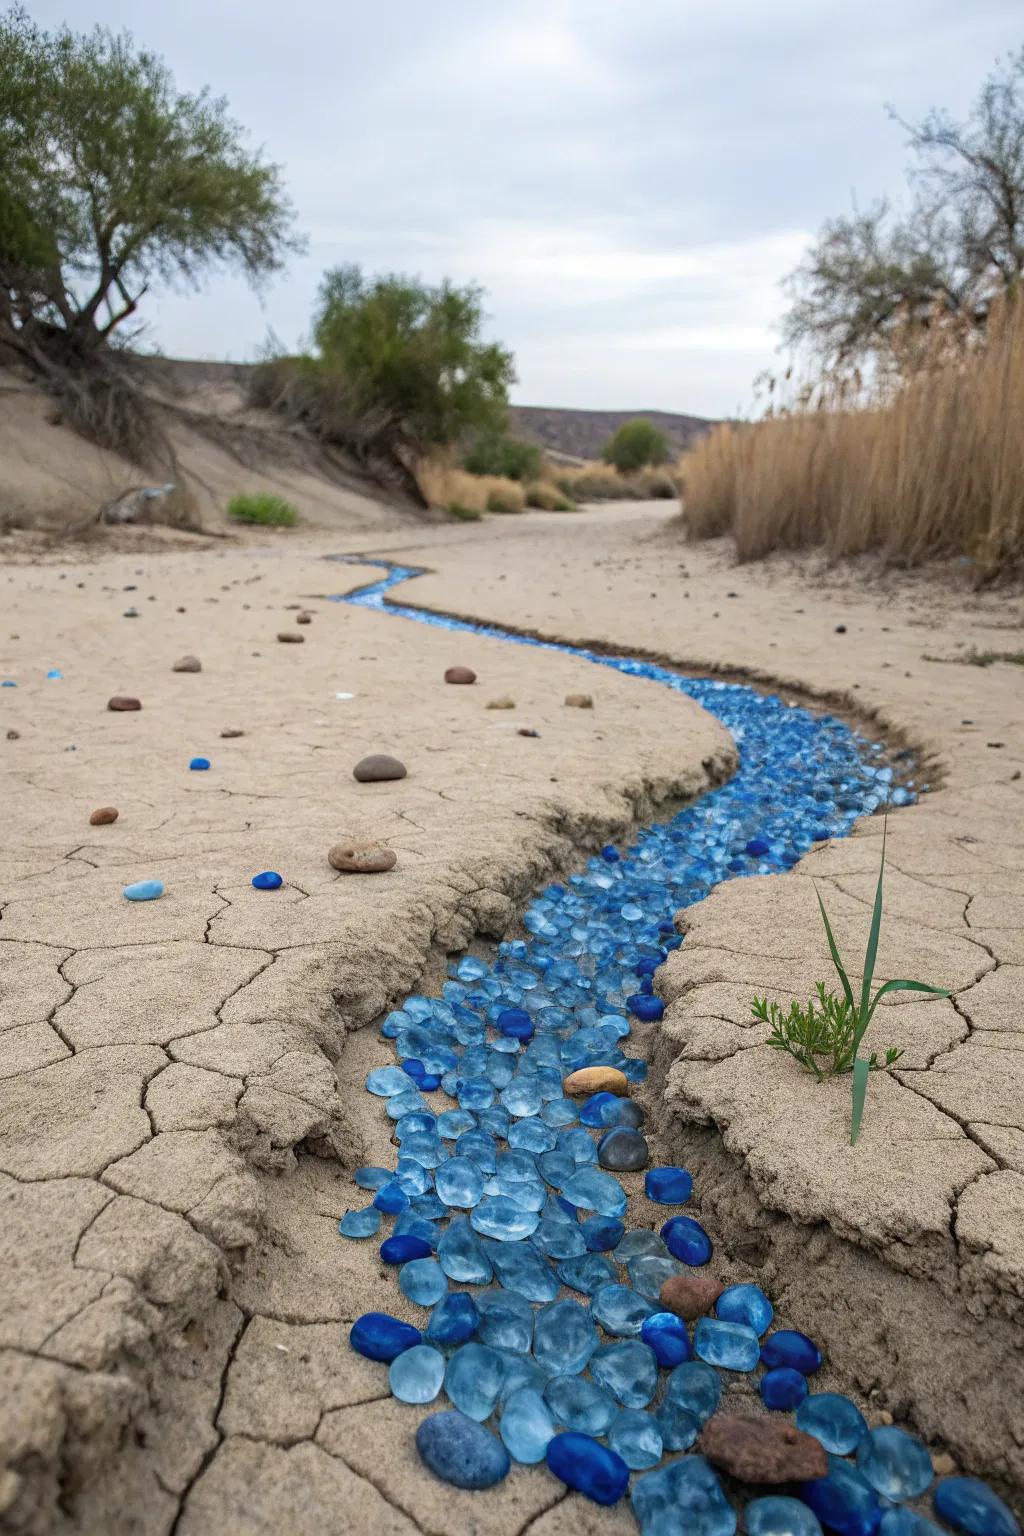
(464, 514)
(413, 352)
(268, 511)
(506, 499)
(496, 454)
(548, 498)
(636, 444)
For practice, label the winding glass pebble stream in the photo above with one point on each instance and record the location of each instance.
(559, 1351)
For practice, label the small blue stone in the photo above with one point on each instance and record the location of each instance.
(415, 1376)
(896, 1464)
(686, 1240)
(733, 1346)
(970, 1505)
(587, 1273)
(668, 1186)
(403, 1247)
(391, 1198)
(666, 1335)
(460, 1452)
(778, 1515)
(620, 1310)
(623, 1150)
(199, 764)
(527, 1426)
(758, 848)
(789, 1347)
(610, 853)
(454, 1320)
(564, 1338)
(695, 1387)
(515, 1023)
(474, 1378)
(635, 1437)
(900, 1521)
(372, 1178)
(589, 1467)
(506, 1321)
(499, 1216)
(783, 1387)
(364, 1223)
(459, 1182)
(379, 1336)
(144, 890)
(835, 1421)
(629, 1371)
(423, 1281)
(54, 674)
(590, 1189)
(745, 1304)
(843, 1500)
(267, 880)
(600, 1233)
(643, 1006)
(579, 1404)
(684, 1496)
(462, 1255)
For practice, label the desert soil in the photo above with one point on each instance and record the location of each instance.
(182, 1102)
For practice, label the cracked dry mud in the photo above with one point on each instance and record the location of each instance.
(181, 1081)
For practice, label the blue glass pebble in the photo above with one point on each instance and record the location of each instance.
(564, 1338)
(580, 1404)
(473, 1379)
(500, 1217)
(745, 1304)
(587, 1273)
(788, 1347)
(668, 1186)
(423, 1281)
(731, 1346)
(267, 880)
(969, 1505)
(620, 1310)
(843, 1501)
(199, 764)
(778, 1515)
(833, 1420)
(684, 1498)
(695, 1387)
(635, 1437)
(590, 1189)
(527, 1425)
(144, 890)
(462, 1255)
(601, 1233)
(379, 1336)
(364, 1223)
(459, 1182)
(783, 1387)
(399, 1249)
(901, 1521)
(628, 1370)
(461, 1452)
(372, 1178)
(415, 1376)
(391, 1198)
(588, 1466)
(896, 1464)
(506, 1321)
(454, 1320)
(686, 1240)
(667, 1336)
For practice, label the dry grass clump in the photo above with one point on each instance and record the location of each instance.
(600, 482)
(931, 467)
(444, 484)
(548, 498)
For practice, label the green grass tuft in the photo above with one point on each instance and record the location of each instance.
(464, 514)
(267, 511)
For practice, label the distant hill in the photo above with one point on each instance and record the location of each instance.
(582, 434)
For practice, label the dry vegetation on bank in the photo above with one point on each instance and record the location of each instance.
(934, 467)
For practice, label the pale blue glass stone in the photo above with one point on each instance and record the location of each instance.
(409, 1223)
(779, 1515)
(385, 1082)
(500, 1217)
(578, 1404)
(555, 1167)
(475, 1093)
(459, 1182)
(628, 1371)
(635, 1437)
(522, 1096)
(462, 1255)
(593, 1190)
(423, 1281)
(415, 1376)
(532, 1134)
(519, 1267)
(454, 1123)
(520, 1371)
(365, 1223)
(412, 1176)
(526, 1427)
(745, 1304)
(895, 1463)
(524, 1193)
(733, 1346)
(678, 1427)
(587, 1273)
(559, 1239)
(619, 1310)
(473, 1380)
(559, 1112)
(833, 1420)
(144, 890)
(429, 1207)
(479, 1146)
(695, 1387)
(648, 1273)
(639, 1244)
(900, 1521)
(564, 1338)
(506, 1321)
(372, 1178)
(683, 1497)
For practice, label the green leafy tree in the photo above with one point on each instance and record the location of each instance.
(413, 352)
(877, 279)
(636, 444)
(111, 179)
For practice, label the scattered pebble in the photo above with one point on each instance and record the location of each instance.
(123, 701)
(187, 664)
(144, 890)
(505, 702)
(460, 1451)
(362, 858)
(266, 880)
(840, 629)
(762, 1450)
(13, 735)
(289, 637)
(579, 701)
(588, 1080)
(230, 732)
(131, 613)
(303, 618)
(378, 767)
(199, 764)
(690, 1296)
(103, 816)
(460, 675)
(525, 730)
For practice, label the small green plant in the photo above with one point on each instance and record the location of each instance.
(819, 1037)
(494, 453)
(634, 445)
(268, 511)
(463, 514)
(846, 1014)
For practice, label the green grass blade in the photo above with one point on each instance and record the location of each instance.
(861, 1074)
(847, 989)
(872, 949)
(904, 986)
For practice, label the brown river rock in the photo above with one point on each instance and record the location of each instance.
(505, 702)
(362, 858)
(762, 1450)
(579, 701)
(690, 1296)
(187, 664)
(588, 1080)
(377, 767)
(122, 701)
(289, 637)
(103, 816)
(460, 675)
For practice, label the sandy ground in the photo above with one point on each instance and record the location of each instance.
(164, 1062)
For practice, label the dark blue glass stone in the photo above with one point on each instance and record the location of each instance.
(666, 1335)
(460, 1451)
(454, 1319)
(391, 1198)
(267, 880)
(668, 1186)
(379, 1336)
(783, 1388)
(686, 1240)
(399, 1250)
(642, 1006)
(969, 1505)
(788, 1347)
(600, 1233)
(745, 1304)
(843, 1500)
(515, 1023)
(758, 848)
(199, 764)
(588, 1466)
(610, 854)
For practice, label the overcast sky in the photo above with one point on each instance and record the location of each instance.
(628, 179)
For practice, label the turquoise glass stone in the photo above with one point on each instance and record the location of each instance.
(365, 1223)
(499, 1216)
(564, 1338)
(733, 1346)
(778, 1515)
(415, 1376)
(423, 1281)
(833, 1420)
(506, 1321)
(896, 1464)
(459, 1182)
(461, 1452)
(683, 1498)
(579, 1404)
(635, 1437)
(620, 1310)
(628, 1371)
(969, 1505)
(526, 1427)
(745, 1304)
(144, 890)
(589, 1467)
(473, 1379)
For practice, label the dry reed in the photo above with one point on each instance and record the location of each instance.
(933, 467)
